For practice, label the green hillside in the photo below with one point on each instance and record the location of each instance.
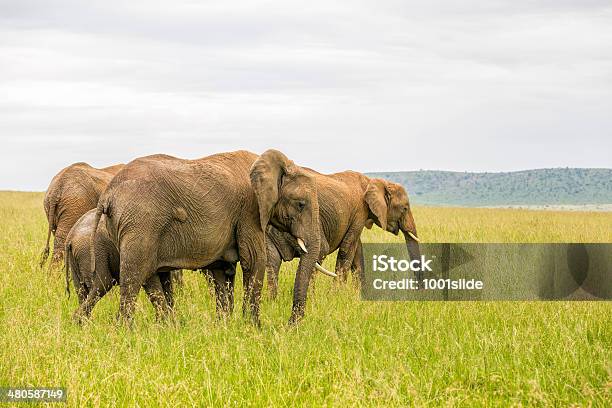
(529, 187)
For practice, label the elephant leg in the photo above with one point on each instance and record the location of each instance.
(129, 287)
(256, 275)
(273, 265)
(102, 283)
(230, 277)
(224, 290)
(80, 287)
(210, 281)
(167, 281)
(136, 267)
(73, 269)
(346, 253)
(155, 292)
(252, 251)
(177, 277)
(358, 266)
(246, 283)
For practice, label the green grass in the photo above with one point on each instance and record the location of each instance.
(346, 352)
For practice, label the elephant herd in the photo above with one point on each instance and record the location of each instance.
(133, 225)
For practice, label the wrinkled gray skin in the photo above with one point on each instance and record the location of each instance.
(165, 213)
(348, 201)
(78, 265)
(72, 192)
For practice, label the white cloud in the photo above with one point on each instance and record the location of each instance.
(489, 85)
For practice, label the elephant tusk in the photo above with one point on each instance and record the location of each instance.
(324, 271)
(302, 245)
(414, 236)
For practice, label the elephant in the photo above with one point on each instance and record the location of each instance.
(165, 213)
(348, 202)
(78, 265)
(72, 192)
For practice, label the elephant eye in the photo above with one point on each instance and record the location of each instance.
(301, 204)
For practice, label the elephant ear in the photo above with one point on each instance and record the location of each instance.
(266, 179)
(376, 198)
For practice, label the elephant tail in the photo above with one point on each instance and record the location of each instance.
(52, 225)
(92, 250)
(67, 259)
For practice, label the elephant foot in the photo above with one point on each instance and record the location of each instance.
(343, 274)
(294, 320)
(254, 320)
(165, 316)
(296, 316)
(127, 322)
(224, 317)
(251, 312)
(224, 311)
(272, 294)
(80, 318)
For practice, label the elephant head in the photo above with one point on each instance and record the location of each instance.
(390, 208)
(287, 199)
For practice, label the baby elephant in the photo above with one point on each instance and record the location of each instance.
(97, 283)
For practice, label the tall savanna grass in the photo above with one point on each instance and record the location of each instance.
(347, 352)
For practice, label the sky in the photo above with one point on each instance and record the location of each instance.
(489, 85)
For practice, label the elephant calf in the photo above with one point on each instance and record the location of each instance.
(78, 264)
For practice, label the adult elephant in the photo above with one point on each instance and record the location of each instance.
(348, 201)
(165, 213)
(72, 192)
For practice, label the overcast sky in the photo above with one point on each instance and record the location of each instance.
(486, 85)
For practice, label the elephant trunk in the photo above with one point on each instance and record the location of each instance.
(302, 281)
(409, 230)
(308, 261)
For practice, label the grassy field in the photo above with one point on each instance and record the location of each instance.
(345, 353)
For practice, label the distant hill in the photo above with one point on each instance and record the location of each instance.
(529, 187)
